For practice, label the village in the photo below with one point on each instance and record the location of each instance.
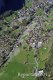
(28, 31)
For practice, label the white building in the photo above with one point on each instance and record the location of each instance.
(39, 73)
(39, 44)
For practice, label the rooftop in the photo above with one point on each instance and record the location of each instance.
(50, 1)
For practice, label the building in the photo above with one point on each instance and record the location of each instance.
(50, 1)
(39, 73)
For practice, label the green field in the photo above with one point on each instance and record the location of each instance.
(17, 64)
